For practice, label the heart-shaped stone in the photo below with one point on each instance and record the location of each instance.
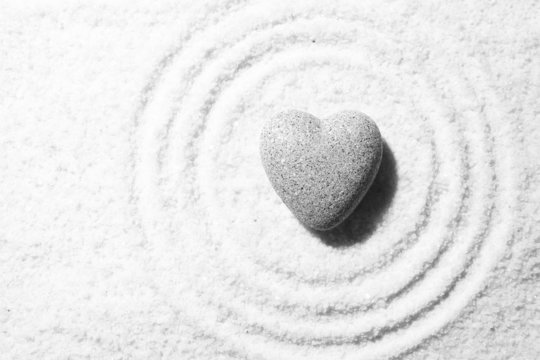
(321, 168)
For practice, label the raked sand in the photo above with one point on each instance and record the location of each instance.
(136, 220)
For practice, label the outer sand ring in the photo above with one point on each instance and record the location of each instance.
(292, 324)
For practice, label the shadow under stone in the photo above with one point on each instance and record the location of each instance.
(369, 213)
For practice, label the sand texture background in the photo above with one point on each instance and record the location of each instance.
(136, 221)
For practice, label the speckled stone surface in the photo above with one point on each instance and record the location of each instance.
(321, 168)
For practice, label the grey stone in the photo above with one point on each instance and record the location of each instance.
(321, 168)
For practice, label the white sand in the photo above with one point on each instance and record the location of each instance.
(136, 221)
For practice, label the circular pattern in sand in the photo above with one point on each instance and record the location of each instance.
(416, 252)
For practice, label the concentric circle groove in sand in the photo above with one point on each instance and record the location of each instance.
(200, 122)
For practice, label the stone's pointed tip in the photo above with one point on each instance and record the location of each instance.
(321, 168)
